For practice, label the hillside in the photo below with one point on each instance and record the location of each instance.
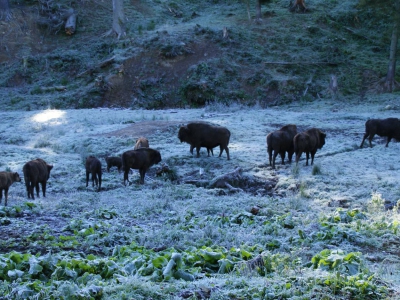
(175, 55)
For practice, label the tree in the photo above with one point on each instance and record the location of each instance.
(118, 24)
(390, 81)
(392, 8)
(5, 10)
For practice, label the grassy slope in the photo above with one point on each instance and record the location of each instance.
(181, 59)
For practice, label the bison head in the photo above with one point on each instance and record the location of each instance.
(183, 134)
(16, 177)
(322, 137)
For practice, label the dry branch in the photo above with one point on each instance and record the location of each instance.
(301, 63)
(102, 64)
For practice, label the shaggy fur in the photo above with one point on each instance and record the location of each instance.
(141, 142)
(93, 166)
(35, 172)
(389, 127)
(201, 134)
(308, 141)
(141, 159)
(280, 142)
(113, 161)
(6, 180)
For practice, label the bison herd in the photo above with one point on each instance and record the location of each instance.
(197, 135)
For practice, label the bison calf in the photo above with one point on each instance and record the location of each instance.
(36, 171)
(389, 127)
(93, 166)
(6, 180)
(201, 134)
(141, 142)
(141, 159)
(281, 141)
(308, 141)
(113, 161)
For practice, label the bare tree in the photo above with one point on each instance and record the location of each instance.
(392, 8)
(390, 82)
(5, 10)
(118, 24)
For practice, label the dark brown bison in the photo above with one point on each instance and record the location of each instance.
(113, 161)
(36, 171)
(141, 159)
(281, 141)
(201, 134)
(308, 141)
(6, 180)
(389, 127)
(93, 166)
(141, 142)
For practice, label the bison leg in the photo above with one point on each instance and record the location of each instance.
(298, 154)
(312, 157)
(308, 156)
(99, 181)
(388, 140)
(227, 152)
(282, 154)
(198, 151)
(274, 158)
(5, 196)
(44, 188)
(1, 195)
(126, 172)
(87, 178)
(290, 155)
(37, 190)
(270, 155)
(142, 173)
(191, 149)
(371, 136)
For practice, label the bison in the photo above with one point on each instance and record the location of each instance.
(6, 180)
(308, 141)
(141, 142)
(113, 161)
(281, 141)
(142, 159)
(389, 127)
(36, 171)
(93, 166)
(201, 134)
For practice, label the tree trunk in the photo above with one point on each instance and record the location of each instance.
(258, 10)
(118, 25)
(5, 10)
(390, 77)
(70, 25)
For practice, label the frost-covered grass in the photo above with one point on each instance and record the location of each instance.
(330, 231)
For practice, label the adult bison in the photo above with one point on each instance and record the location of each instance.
(6, 180)
(389, 127)
(281, 141)
(141, 159)
(36, 171)
(141, 142)
(201, 134)
(93, 166)
(113, 161)
(308, 141)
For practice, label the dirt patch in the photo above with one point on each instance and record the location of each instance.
(145, 128)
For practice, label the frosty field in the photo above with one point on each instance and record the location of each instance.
(345, 205)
